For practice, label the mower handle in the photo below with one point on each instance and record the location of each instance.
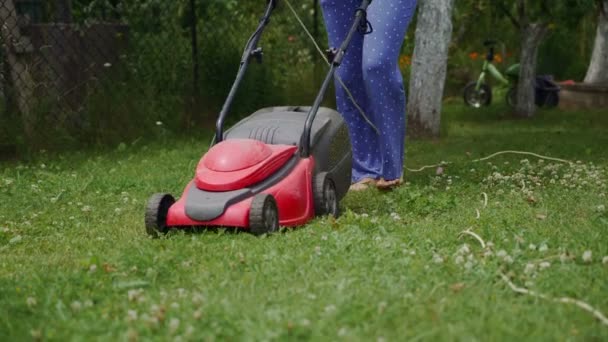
(338, 56)
(251, 51)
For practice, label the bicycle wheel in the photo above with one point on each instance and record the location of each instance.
(477, 98)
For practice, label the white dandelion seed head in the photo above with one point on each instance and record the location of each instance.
(605, 260)
(330, 308)
(437, 259)
(543, 248)
(31, 302)
(135, 295)
(530, 268)
(587, 256)
(173, 325)
(131, 315)
(544, 264)
(197, 298)
(464, 249)
(76, 306)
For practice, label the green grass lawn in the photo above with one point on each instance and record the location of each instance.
(76, 264)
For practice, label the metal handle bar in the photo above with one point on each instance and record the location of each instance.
(250, 48)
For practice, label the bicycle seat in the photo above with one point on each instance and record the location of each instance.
(489, 42)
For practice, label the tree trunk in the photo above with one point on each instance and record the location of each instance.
(598, 68)
(429, 67)
(532, 36)
(15, 47)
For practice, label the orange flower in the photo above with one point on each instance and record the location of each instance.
(498, 58)
(405, 61)
(474, 56)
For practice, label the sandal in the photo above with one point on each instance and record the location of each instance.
(363, 184)
(383, 184)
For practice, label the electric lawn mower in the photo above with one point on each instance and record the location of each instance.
(279, 166)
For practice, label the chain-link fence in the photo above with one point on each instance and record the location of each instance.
(104, 71)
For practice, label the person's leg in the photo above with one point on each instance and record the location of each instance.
(383, 79)
(339, 16)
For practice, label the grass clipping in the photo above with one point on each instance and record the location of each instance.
(564, 300)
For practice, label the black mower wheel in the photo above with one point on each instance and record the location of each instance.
(477, 98)
(263, 215)
(325, 196)
(156, 214)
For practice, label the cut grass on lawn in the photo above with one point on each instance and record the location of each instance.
(75, 262)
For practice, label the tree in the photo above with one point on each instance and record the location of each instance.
(598, 68)
(533, 19)
(429, 67)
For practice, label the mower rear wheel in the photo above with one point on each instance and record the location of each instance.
(325, 196)
(263, 215)
(156, 214)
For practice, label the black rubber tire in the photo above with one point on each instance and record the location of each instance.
(477, 98)
(325, 196)
(551, 100)
(263, 215)
(156, 214)
(511, 97)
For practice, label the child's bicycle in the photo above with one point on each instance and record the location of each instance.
(478, 93)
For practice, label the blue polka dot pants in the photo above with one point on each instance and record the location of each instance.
(370, 70)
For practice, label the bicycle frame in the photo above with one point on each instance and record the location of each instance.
(489, 68)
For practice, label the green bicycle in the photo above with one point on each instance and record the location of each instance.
(478, 93)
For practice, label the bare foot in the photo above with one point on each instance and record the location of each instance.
(363, 184)
(383, 184)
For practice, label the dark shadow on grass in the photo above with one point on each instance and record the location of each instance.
(220, 231)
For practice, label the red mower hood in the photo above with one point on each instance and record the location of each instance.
(238, 163)
(235, 155)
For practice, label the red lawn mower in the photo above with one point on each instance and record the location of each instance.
(281, 166)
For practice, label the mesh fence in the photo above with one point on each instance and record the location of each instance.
(103, 71)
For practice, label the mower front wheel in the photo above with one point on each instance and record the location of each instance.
(156, 214)
(325, 196)
(263, 215)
